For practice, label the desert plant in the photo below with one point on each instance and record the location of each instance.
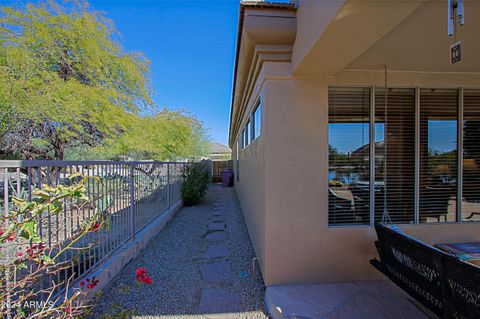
(31, 262)
(195, 183)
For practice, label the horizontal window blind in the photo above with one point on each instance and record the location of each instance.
(349, 160)
(471, 156)
(438, 155)
(394, 166)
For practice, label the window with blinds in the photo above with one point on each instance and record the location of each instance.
(471, 156)
(349, 159)
(438, 155)
(398, 137)
(394, 165)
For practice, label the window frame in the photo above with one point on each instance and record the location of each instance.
(255, 125)
(460, 154)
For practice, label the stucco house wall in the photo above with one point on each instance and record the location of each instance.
(283, 186)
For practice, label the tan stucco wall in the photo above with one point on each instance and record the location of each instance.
(283, 175)
(250, 188)
(299, 246)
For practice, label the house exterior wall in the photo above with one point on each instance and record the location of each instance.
(250, 185)
(283, 186)
(299, 245)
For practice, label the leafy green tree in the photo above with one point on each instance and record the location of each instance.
(64, 80)
(167, 135)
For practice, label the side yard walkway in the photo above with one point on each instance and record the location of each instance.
(200, 266)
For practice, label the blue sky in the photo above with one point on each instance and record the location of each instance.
(191, 45)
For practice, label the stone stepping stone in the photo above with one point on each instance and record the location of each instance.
(215, 272)
(218, 213)
(214, 300)
(217, 236)
(217, 250)
(218, 219)
(217, 226)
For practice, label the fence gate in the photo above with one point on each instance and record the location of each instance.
(217, 169)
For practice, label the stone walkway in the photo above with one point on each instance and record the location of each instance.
(200, 265)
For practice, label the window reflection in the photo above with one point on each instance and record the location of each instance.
(438, 155)
(348, 136)
(471, 156)
(396, 107)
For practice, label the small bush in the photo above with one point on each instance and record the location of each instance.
(195, 184)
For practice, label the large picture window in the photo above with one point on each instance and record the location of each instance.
(394, 155)
(348, 152)
(471, 156)
(438, 155)
(394, 166)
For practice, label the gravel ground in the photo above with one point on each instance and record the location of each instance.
(173, 258)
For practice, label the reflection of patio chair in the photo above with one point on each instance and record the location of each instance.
(361, 201)
(341, 208)
(434, 202)
(361, 198)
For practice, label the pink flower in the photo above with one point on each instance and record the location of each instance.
(95, 227)
(140, 271)
(90, 283)
(11, 236)
(141, 275)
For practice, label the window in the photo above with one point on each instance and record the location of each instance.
(471, 156)
(424, 155)
(395, 176)
(243, 138)
(349, 159)
(438, 155)
(238, 161)
(247, 129)
(257, 122)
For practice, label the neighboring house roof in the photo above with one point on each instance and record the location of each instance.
(365, 149)
(217, 148)
(243, 5)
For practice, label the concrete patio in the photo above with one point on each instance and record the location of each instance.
(354, 300)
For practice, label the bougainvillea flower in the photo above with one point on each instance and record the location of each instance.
(35, 249)
(140, 271)
(91, 283)
(95, 227)
(147, 280)
(141, 275)
(11, 236)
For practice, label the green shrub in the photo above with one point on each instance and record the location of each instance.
(195, 184)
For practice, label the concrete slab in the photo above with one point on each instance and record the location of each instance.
(219, 219)
(369, 300)
(217, 226)
(217, 250)
(217, 236)
(214, 300)
(217, 271)
(219, 213)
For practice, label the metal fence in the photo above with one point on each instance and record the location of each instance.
(130, 195)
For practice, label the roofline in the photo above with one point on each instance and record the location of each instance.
(250, 4)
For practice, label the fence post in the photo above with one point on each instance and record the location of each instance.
(132, 200)
(168, 186)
